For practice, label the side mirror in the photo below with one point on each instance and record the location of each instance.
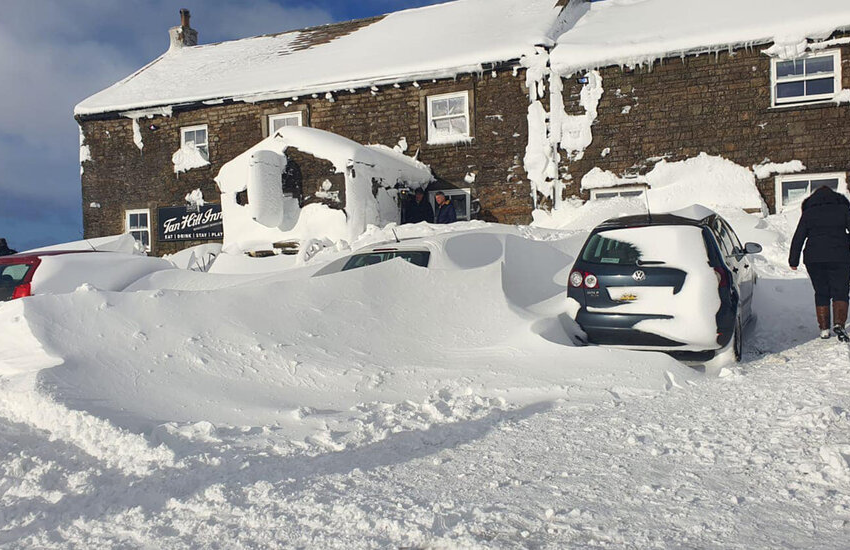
(752, 248)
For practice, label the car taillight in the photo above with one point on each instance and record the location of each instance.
(722, 277)
(590, 280)
(576, 279)
(22, 291)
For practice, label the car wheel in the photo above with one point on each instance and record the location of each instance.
(738, 340)
(732, 352)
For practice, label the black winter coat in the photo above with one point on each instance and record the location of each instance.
(823, 227)
(446, 213)
(419, 212)
(6, 251)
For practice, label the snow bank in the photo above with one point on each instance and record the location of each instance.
(712, 181)
(635, 32)
(102, 270)
(124, 243)
(439, 41)
(270, 216)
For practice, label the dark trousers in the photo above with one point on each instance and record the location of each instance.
(831, 282)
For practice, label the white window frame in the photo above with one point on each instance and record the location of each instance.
(457, 138)
(132, 230)
(298, 115)
(617, 189)
(840, 176)
(205, 148)
(449, 193)
(806, 100)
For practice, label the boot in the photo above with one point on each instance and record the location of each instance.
(823, 321)
(839, 319)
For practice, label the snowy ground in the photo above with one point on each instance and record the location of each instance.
(348, 412)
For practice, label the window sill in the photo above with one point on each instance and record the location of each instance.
(819, 104)
(450, 143)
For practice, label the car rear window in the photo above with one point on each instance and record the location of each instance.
(416, 257)
(13, 274)
(605, 250)
(657, 244)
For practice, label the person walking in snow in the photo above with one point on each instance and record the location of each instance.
(824, 227)
(446, 212)
(419, 209)
(5, 250)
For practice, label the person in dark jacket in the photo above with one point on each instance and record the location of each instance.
(419, 209)
(5, 250)
(446, 212)
(824, 227)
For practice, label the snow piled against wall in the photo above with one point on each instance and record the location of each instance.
(708, 180)
(635, 32)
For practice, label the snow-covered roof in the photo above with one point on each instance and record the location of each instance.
(632, 32)
(431, 42)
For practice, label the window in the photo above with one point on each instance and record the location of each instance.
(139, 226)
(625, 191)
(448, 118)
(816, 77)
(276, 122)
(794, 188)
(415, 257)
(460, 198)
(196, 136)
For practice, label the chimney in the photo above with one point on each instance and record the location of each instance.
(184, 35)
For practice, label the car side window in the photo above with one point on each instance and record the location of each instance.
(736, 242)
(723, 238)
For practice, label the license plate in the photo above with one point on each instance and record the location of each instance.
(627, 298)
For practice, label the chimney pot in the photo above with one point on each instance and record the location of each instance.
(184, 35)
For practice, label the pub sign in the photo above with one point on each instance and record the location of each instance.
(184, 223)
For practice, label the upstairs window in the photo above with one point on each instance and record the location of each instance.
(448, 118)
(276, 122)
(795, 188)
(816, 77)
(196, 136)
(138, 223)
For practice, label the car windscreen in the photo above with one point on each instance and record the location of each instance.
(416, 257)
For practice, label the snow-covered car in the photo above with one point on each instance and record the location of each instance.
(680, 282)
(62, 271)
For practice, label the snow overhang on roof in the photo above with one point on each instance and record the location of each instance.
(439, 41)
(636, 32)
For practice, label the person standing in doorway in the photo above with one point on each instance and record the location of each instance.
(824, 228)
(5, 250)
(446, 212)
(419, 209)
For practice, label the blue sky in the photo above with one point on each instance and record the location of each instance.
(57, 52)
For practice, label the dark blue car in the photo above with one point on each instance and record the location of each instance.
(680, 283)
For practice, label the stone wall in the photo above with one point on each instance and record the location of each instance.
(121, 177)
(719, 104)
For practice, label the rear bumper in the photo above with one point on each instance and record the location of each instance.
(617, 330)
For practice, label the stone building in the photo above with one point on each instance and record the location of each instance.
(491, 94)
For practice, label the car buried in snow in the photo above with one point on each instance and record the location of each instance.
(63, 271)
(681, 283)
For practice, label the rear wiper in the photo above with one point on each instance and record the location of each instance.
(642, 263)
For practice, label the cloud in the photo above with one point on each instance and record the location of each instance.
(56, 53)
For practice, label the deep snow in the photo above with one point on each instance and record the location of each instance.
(393, 406)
